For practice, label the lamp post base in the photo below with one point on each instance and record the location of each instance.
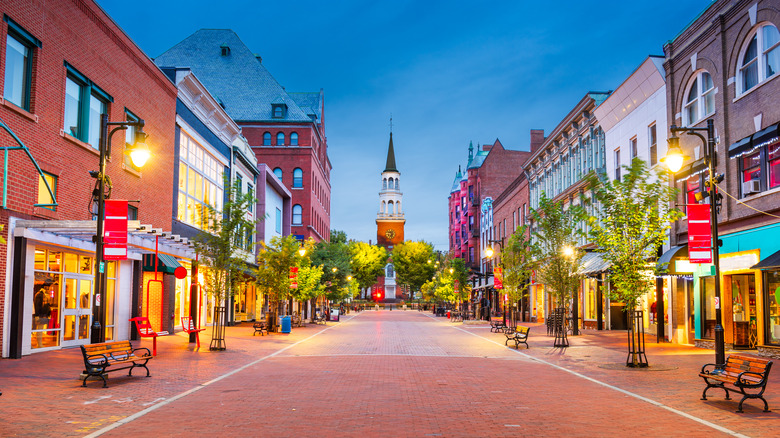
(720, 347)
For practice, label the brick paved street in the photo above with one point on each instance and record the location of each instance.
(380, 374)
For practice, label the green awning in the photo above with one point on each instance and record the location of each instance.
(165, 263)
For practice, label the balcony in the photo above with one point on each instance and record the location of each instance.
(475, 232)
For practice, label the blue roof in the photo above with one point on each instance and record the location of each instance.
(239, 80)
(456, 184)
(476, 163)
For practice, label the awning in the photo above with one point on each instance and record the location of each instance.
(693, 169)
(592, 263)
(753, 142)
(770, 262)
(666, 258)
(166, 264)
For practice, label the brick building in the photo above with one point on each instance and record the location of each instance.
(488, 173)
(286, 130)
(723, 67)
(64, 65)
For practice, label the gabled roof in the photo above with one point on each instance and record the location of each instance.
(456, 184)
(239, 79)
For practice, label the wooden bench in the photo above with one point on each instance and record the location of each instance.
(260, 327)
(189, 327)
(145, 331)
(100, 359)
(296, 320)
(741, 372)
(319, 319)
(496, 326)
(519, 335)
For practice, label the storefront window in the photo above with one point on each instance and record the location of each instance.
(774, 165)
(708, 308)
(772, 300)
(108, 300)
(751, 166)
(743, 307)
(47, 293)
(589, 291)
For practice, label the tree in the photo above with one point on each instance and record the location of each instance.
(223, 247)
(411, 262)
(556, 252)
(274, 261)
(334, 258)
(367, 263)
(632, 221)
(518, 262)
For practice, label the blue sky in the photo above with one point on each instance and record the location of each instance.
(449, 72)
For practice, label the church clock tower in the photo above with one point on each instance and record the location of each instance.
(390, 219)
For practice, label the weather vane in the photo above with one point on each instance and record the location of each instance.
(391, 123)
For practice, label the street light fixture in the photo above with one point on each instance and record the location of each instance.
(568, 252)
(302, 251)
(710, 186)
(139, 154)
(489, 252)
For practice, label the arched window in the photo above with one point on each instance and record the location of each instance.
(390, 208)
(700, 99)
(382, 208)
(384, 183)
(278, 113)
(396, 184)
(294, 139)
(297, 214)
(280, 139)
(297, 177)
(760, 58)
(278, 173)
(267, 139)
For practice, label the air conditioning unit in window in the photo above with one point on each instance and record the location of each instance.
(750, 187)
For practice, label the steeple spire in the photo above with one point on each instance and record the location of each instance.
(390, 166)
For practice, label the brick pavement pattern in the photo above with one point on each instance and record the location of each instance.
(386, 373)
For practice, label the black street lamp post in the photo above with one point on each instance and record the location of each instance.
(139, 154)
(489, 252)
(674, 159)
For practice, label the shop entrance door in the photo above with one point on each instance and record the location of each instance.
(77, 310)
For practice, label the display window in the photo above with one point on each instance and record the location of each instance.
(708, 307)
(772, 307)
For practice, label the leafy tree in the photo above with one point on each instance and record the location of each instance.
(334, 257)
(274, 261)
(555, 248)
(223, 247)
(517, 259)
(410, 260)
(367, 263)
(632, 221)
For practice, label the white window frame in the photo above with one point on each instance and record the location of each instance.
(760, 58)
(700, 100)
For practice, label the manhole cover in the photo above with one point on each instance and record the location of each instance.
(652, 367)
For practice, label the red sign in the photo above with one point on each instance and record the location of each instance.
(699, 233)
(498, 278)
(293, 277)
(115, 230)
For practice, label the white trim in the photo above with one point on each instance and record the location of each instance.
(202, 141)
(760, 62)
(208, 110)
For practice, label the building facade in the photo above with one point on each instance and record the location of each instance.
(722, 67)
(64, 66)
(286, 130)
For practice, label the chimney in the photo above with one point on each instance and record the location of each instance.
(537, 138)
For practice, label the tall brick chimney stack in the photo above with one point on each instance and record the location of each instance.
(537, 138)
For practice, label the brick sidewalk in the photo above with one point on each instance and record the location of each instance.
(379, 374)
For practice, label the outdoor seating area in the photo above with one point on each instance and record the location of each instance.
(497, 325)
(103, 358)
(518, 335)
(740, 372)
(260, 327)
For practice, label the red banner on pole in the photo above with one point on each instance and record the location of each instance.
(293, 277)
(498, 278)
(699, 233)
(115, 230)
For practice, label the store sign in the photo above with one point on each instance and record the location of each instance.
(498, 278)
(293, 277)
(699, 233)
(115, 230)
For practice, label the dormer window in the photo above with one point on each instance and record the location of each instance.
(225, 49)
(279, 110)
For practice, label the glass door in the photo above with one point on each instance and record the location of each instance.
(76, 311)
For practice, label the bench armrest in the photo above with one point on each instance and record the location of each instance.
(706, 371)
(148, 352)
(104, 363)
(743, 382)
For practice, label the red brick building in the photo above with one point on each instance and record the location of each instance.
(285, 129)
(65, 63)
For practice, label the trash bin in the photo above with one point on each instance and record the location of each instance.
(334, 315)
(448, 314)
(286, 324)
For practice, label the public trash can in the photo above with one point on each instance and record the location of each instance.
(448, 314)
(286, 324)
(334, 315)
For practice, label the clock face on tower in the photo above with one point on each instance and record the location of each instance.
(390, 234)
